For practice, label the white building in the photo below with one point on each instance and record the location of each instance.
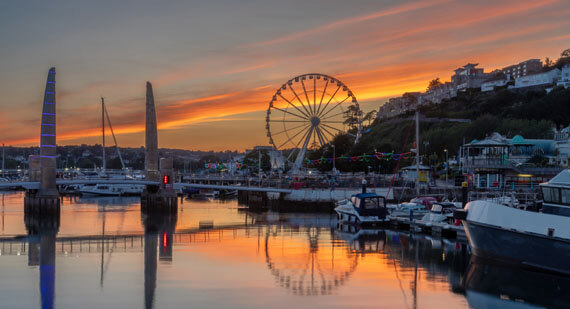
(540, 79)
(498, 79)
(565, 77)
(468, 76)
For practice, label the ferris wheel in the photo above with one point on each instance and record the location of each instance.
(308, 111)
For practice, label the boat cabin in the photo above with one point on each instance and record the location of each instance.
(556, 194)
(443, 208)
(370, 204)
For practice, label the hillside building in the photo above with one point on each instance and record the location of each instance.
(527, 67)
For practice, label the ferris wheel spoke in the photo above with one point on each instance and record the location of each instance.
(342, 122)
(322, 96)
(329, 117)
(291, 153)
(292, 137)
(302, 112)
(339, 103)
(291, 129)
(321, 137)
(307, 134)
(315, 95)
(307, 96)
(330, 127)
(296, 96)
(329, 101)
(327, 131)
(308, 138)
(282, 110)
(288, 120)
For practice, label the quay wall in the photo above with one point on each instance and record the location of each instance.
(302, 200)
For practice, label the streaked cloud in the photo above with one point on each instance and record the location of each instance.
(225, 79)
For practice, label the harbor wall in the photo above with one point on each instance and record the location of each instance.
(303, 200)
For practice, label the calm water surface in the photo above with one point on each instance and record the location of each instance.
(104, 253)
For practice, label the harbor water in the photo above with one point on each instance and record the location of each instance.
(103, 252)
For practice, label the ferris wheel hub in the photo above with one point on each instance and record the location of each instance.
(315, 121)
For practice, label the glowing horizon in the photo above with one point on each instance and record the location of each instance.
(213, 83)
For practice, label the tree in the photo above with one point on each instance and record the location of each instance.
(565, 53)
(548, 63)
(434, 83)
(370, 116)
(351, 116)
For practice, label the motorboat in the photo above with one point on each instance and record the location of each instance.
(405, 210)
(111, 189)
(427, 201)
(205, 195)
(540, 240)
(440, 212)
(362, 209)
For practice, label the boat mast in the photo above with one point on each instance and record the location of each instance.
(103, 128)
(114, 139)
(417, 153)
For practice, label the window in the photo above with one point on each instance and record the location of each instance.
(551, 195)
(565, 196)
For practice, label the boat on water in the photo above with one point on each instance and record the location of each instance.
(403, 210)
(205, 195)
(539, 240)
(111, 189)
(440, 212)
(362, 209)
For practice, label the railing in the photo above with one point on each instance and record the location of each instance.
(485, 162)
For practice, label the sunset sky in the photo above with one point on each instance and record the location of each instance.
(215, 64)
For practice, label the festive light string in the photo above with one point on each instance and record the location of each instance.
(387, 156)
(221, 166)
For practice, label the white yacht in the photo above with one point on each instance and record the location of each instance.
(362, 209)
(111, 189)
(533, 239)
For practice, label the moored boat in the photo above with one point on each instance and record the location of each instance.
(363, 209)
(405, 210)
(534, 239)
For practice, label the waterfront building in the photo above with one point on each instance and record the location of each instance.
(497, 161)
(565, 76)
(527, 67)
(409, 173)
(539, 79)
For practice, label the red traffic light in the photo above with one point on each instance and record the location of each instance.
(165, 179)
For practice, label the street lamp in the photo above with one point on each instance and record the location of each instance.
(334, 159)
(446, 165)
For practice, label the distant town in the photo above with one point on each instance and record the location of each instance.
(526, 74)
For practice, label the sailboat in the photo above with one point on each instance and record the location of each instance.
(110, 189)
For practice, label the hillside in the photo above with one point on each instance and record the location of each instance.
(531, 113)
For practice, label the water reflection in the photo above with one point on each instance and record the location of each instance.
(42, 231)
(158, 227)
(214, 255)
(490, 285)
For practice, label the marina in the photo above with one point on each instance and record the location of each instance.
(285, 154)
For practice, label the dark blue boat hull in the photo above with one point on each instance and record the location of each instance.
(542, 252)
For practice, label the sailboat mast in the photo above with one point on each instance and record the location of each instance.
(417, 153)
(103, 128)
(114, 138)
